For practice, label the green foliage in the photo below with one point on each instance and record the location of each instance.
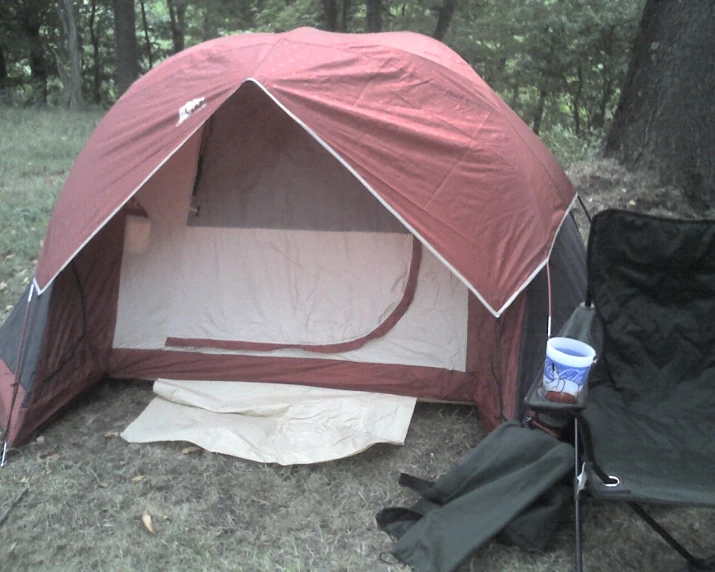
(558, 63)
(281, 16)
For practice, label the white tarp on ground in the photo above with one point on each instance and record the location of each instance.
(255, 421)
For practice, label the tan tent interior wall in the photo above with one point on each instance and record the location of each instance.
(278, 245)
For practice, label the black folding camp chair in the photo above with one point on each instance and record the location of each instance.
(648, 426)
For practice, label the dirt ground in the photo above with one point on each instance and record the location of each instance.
(87, 489)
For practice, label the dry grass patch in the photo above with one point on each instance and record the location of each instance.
(212, 512)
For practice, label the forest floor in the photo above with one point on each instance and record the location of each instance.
(87, 489)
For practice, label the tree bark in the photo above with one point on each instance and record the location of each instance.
(539, 111)
(147, 41)
(664, 119)
(126, 42)
(96, 64)
(598, 118)
(330, 15)
(514, 101)
(38, 64)
(3, 71)
(177, 14)
(576, 101)
(374, 15)
(345, 16)
(73, 52)
(444, 18)
(209, 33)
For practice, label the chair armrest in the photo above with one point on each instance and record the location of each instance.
(537, 401)
(583, 325)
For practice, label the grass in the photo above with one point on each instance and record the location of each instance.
(37, 149)
(212, 512)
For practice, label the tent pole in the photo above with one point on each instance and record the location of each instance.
(548, 289)
(18, 372)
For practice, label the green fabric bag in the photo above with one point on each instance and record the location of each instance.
(498, 481)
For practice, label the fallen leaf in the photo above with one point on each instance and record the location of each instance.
(3, 285)
(111, 435)
(632, 203)
(40, 439)
(24, 480)
(53, 455)
(138, 478)
(103, 485)
(191, 449)
(148, 523)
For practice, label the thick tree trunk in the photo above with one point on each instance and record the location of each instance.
(374, 15)
(177, 14)
(96, 64)
(147, 41)
(665, 120)
(126, 41)
(330, 15)
(73, 52)
(445, 13)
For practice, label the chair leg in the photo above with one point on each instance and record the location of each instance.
(577, 498)
(694, 563)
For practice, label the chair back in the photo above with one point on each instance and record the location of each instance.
(652, 281)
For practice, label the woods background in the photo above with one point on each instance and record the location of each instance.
(565, 66)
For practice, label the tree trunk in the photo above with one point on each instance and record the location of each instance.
(374, 15)
(664, 119)
(539, 111)
(73, 52)
(576, 101)
(177, 13)
(147, 41)
(444, 19)
(3, 72)
(126, 41)
(38, 65)
(514, 101)
(345, 16)
(96, 64)
(209, 33)
(330, 15)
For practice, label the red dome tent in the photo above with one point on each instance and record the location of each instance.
(351, 211)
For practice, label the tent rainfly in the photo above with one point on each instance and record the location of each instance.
(347, 211)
